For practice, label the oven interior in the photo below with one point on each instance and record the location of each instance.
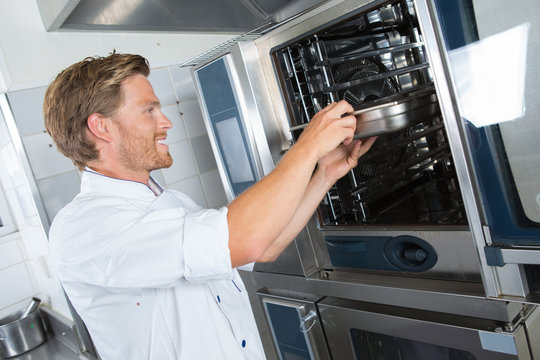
(374, 57)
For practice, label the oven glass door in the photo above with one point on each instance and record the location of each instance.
(493, 49)
(226, 124)
(295, 328)
(363, 331)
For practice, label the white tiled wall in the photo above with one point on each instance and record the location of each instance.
(24, 270)
(23, 252)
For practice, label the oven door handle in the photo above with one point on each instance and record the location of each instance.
(347, 246)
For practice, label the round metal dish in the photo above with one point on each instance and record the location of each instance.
(395, 113)
(20, 334)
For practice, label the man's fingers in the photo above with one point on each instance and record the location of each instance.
(342, 107)
(366, 144)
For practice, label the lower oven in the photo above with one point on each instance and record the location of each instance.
(310, 327)
(357, 330)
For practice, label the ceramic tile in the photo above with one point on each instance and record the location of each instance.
(11, 172)
(183, 163)
(178, 130)
(203, 153)
(193, 188)
(193, 118)
(22, 205)
(213, 188)
(183, 83)
(34, 241)
(7, 224)
(16, 284)
(44, 158)
(57, 191)
(161, 82)
(10, 253)
(13, 308)
(27, 108)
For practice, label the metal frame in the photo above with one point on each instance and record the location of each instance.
(310, 323)
(450, 297)
(250, 110)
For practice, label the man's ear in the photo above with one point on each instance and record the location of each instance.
(99, 126)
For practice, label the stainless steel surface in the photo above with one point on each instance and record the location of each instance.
(532, 324)
(52, 349)
(506, 282)
(248, 90)
(31, 307)
(521, 256)
(395, 115)
(59, 345)
(435, 49)
(454, 262)
(21, 334)
(450, 297)
(169, 15)
(458, 258)
(434, 333)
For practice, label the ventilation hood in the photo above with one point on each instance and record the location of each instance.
(224, 16)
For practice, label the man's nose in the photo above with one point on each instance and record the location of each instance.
(164, 122)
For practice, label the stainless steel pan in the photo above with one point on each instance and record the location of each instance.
(394, 115)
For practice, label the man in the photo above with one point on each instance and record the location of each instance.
(151, 273)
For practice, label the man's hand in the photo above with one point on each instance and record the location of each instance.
(327, 130)
(342, 159)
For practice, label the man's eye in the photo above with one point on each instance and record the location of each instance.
(149, 110)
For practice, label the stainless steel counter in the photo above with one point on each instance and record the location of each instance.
(51, 349)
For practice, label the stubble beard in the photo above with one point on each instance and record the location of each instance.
(140, 153)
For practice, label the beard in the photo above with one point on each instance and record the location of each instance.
(139, 152)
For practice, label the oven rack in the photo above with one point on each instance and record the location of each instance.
(310, 70)
(425, 164)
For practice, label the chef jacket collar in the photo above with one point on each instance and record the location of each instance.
(95, 182)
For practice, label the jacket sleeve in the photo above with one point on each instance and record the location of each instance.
(115, 247)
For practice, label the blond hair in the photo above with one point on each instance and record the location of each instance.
(92, 85)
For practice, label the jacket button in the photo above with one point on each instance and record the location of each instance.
(218, 299)
(243, 343)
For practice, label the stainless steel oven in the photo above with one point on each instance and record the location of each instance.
(430, 248)
(449, 191)
(369, 331)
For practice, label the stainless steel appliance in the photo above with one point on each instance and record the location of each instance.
(442, 214)
(419, 203)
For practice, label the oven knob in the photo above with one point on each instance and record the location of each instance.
(410, 253)
(415, 255)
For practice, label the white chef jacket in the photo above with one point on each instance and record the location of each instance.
(151, 276)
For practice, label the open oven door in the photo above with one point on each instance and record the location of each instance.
(484, 56)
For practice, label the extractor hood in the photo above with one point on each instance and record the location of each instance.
(224, 16)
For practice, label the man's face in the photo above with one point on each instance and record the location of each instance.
(142, 127)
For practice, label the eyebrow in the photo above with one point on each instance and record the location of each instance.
(151, 103)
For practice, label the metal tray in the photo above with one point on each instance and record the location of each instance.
(395, 113)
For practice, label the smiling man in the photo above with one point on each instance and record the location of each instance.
(152, 274)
